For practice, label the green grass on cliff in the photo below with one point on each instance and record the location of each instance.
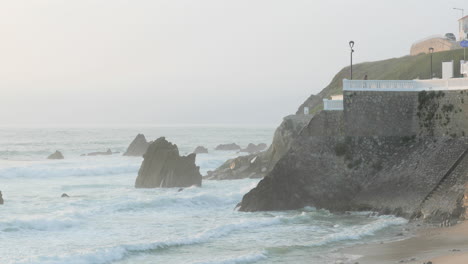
(404, 68)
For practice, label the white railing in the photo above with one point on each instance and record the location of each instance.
(401, 86)
(332, 105)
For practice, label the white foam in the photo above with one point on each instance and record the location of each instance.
(38, 224)
(251, 258)
(106, 255)
(358, 232)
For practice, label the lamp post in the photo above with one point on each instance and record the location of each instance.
(431, 51)
(351, 45)
(463, 15)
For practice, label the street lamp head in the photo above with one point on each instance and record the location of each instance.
(351, 44)
(431, 50)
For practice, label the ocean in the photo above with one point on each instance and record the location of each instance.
(107, 220)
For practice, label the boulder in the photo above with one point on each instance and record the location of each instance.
(224, 147)
(138, 146)
(1, 198)
(163, 167)
(57, 155)
(108, 152)
(200, 150)
(252, 148)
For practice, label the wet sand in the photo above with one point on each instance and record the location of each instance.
(440, 245)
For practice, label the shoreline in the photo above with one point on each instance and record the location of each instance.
(440, 245)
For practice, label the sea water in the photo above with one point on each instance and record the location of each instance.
(107, 220)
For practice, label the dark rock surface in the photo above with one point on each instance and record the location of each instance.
(200, 150)
(252, 148)
(164, 167)
(258, 165)
(1, 198)
(138, 146)
(64, 195)
(422, 177)
(57, 155)
(106, 153)
(232, 146)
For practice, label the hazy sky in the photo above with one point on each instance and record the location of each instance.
(205, 61)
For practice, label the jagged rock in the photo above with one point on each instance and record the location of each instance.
(252, 148)
(1, 198)
(164, 167)
(138, 146)
(421, 177)
(258, 165)
(200, 150)
(108, 152)
(56, 155)
(232, 146)
(64, 195)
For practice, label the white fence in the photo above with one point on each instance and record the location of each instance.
(332, 105)
(402, 86)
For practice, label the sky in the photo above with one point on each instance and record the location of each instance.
(193, 61)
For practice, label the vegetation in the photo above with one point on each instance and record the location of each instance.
(404, 68)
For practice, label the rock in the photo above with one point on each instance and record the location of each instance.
(200, 150)
(1, 198)
(419, 178)
(258, 165)
(164, 167)
(108, 152)
(57, 155)
(64, 195)
(138, 146)
(252, 148)
(232, 146)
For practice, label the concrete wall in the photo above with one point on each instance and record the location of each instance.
(372, 113)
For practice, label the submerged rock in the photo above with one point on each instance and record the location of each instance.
(200, 150)
(232, 146)
(1, 198)
(252, 148)
(138, 146)
(108, 152)
(57, 155)
(164, 167)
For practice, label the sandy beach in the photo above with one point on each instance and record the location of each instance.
(439, 245)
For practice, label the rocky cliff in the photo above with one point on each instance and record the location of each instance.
(403, 153)
(164, 167)
(258, 165)
(418, 176)
(138, 146)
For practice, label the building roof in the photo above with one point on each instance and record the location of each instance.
(463, 18)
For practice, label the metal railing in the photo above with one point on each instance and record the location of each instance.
(406, 85)
(332, 105)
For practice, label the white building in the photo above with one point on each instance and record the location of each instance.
(463, 28)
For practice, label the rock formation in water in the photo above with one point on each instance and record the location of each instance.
(164, 167)
(1, 198)
(138, 146)
(57, 155)
(402, 153)
(64, 195)
(226, 147)
(258, 165)
(200, 150)
(106, 153)
(252, 148)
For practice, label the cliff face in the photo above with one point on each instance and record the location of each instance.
(258, 165)
(164, 167)
(403, 153)
(412, 177)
